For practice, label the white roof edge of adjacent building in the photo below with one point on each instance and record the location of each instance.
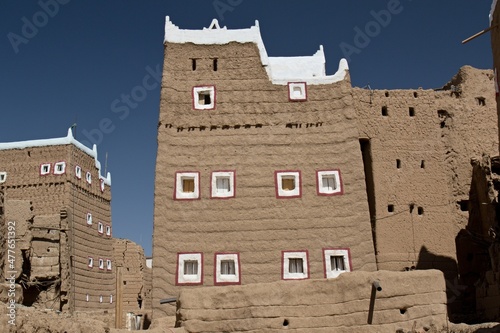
(69, 139)
(281, 70)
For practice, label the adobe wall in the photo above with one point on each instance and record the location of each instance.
(421, 151)
(58, 228)
(407, 301)
(133, 294)
(495, 47)
(254, 130)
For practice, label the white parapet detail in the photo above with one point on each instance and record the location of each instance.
(281, 70)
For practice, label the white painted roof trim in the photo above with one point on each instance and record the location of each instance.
(69, 139)
(493, 6)
(281, 70)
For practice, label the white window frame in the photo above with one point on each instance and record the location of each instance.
(286, 255)
(100, 298)
(90, 262)
(109, 264)
(230, 175)
(335, 173)
(189, 279)
(45, 169)
(227, 279)
(179, 194)
(88, 177)
(210, 89)
(61, 164)
(280, 192)
(100, 228)
(88, 218)
(328, 253)
(78, 172)
(108, 230)
(101, 184)
(110, 299)
(3, 176)
(292, 88)
(101, 264)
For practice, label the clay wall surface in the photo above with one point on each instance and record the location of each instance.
(407, 301)
(255, 130)
(421, 153)
(495, 47)
(132, 276)
(59, 228)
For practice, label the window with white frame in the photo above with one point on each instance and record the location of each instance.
(297, 91)
(100, 299)
(78, 172)
(3, 176)
(108, 230)
(187, 185)
(204, 98)
(288, 184)
(101, 184)
(189, 269)
(108, 264)
(227, 269)
(329, 182)
(45, 169)
(89, 218)
(100, 227)
(336, 262)
(110, 299)
(59, 168)
(222, 184)
(88, 177)
(295, 265)
(90, 262)
(101, 263)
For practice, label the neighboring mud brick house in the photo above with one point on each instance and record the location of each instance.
(60, 203)
(259, 174)
(133, 285)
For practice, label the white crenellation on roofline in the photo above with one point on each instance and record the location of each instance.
(69, 139)
(281, 70)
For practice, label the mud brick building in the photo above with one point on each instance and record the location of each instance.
(55, 193)
(268, 169)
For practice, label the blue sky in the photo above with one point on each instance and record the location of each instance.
(67, 61)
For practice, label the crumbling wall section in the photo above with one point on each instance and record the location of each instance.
(350, 303)
(132, 275)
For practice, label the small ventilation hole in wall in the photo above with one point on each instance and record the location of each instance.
(464, 205)
(411, 111)
(415, 94)
(215, 64)
(398, 163)
(385, 112)
(420, 211)
(422, 164)
(402, 311)
(285, 322)
(390, 208)
(412, 206)
(386, 94)
(193, 64)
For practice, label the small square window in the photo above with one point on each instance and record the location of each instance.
(227, 269)
(295, 265)
(204, 98)
(45, 169)
(108, 230)
(59, 168)
(90, 262)
(78, 172)
(100, 299)
(222, 185)
(189, 269)
(288, 184)
(101, 184)
(297, 91)
(187, 185)
(336, 262)
(89, 219)
(3, 177)
(88, 177)
(329, 182)
(108, 264)
(101, 263)
(100, 228)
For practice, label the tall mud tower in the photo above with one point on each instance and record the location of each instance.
(259, 173)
